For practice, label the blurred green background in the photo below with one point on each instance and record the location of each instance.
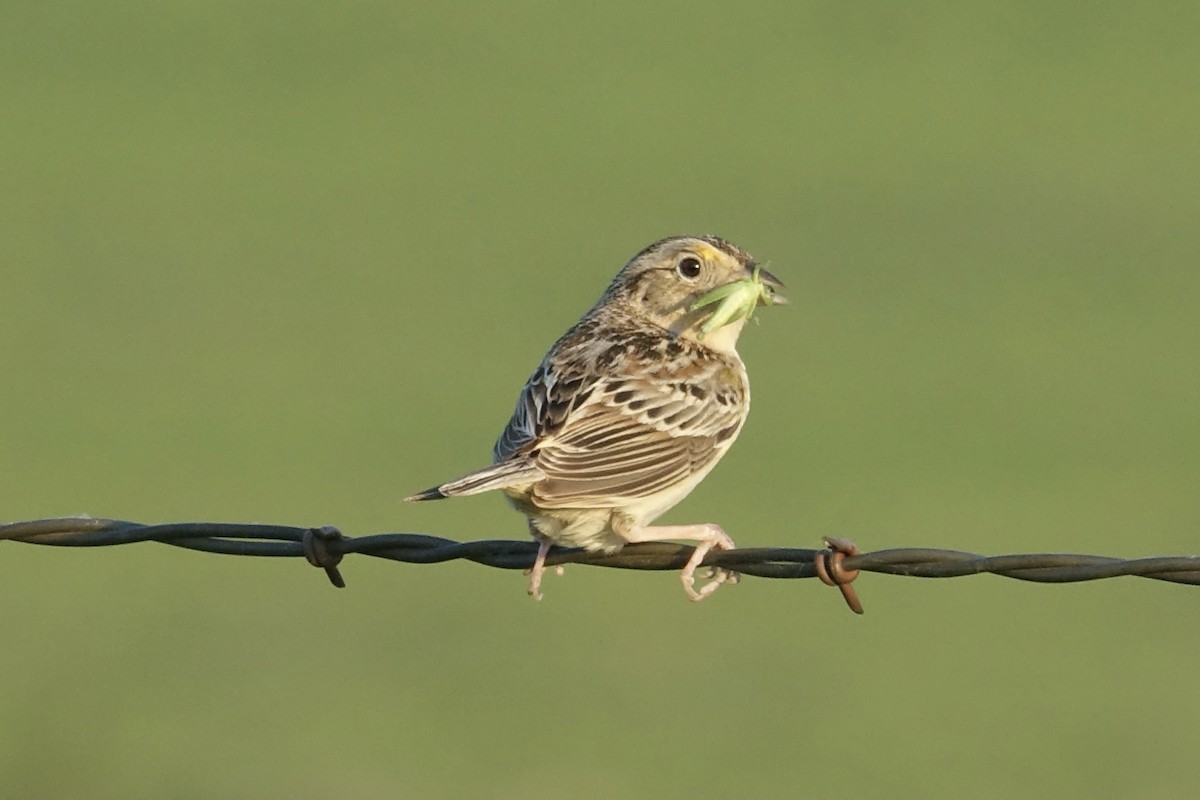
(288, 262)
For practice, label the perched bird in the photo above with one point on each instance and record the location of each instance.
(632, 407)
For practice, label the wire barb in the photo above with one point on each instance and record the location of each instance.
(831, 569)
(317, 552)
(838, 564)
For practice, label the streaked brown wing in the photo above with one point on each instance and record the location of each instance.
(633, 440)
(620, 413)
(548, 399)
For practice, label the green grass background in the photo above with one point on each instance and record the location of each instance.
(288, 262)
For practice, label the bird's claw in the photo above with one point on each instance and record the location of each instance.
(717, 575)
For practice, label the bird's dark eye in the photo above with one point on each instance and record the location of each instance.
(688, 267)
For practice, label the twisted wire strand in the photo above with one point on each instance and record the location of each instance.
(325, 546)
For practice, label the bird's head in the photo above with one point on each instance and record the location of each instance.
(699, 287)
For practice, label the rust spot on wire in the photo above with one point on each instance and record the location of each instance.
(831, 569)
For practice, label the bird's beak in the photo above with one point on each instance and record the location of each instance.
(775, 287)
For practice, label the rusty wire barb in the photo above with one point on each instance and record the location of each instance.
(836, 565)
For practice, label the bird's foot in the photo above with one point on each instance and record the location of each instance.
(707, 536)
(716, 576)
(538, 569)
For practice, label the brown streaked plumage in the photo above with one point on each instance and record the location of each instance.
(628, 411)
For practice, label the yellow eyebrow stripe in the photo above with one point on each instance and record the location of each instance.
(709, 252)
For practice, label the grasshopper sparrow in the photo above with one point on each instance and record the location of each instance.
(632, 407)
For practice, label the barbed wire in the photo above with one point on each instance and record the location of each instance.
(836, 564)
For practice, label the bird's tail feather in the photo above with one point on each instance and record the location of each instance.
(497, 476)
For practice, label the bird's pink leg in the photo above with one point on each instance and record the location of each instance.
(538, 569)
(707, 536)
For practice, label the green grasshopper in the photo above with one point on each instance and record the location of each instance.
(737, 300)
